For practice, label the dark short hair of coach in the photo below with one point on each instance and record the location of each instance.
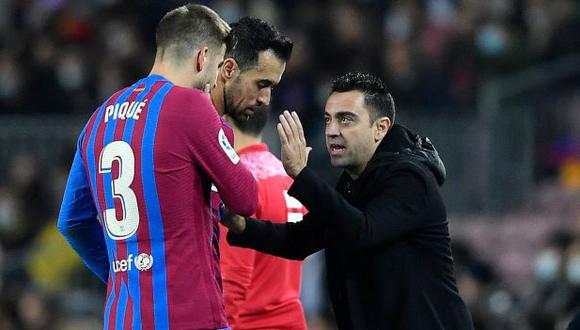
(384, 225)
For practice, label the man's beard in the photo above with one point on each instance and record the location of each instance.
(230, 110)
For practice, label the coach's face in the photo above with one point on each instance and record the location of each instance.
(351, 137)
(250, 89)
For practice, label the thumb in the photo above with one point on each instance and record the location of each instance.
(308, 150)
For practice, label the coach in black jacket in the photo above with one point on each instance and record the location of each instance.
(384, 227)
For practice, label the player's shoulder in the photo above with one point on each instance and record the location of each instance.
(187, 101)
(189, 95)
(97, 116)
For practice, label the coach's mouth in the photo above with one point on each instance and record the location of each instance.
(336, 149)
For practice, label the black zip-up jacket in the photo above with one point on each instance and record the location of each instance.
(387, 243)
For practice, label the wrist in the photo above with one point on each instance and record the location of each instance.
(238, 225)
(297, 172)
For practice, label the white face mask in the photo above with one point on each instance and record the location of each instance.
(547, 265)
(71, 74)
(491, 40)
(573, 270)
(9, 82)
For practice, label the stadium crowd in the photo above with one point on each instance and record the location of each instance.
(62, 57)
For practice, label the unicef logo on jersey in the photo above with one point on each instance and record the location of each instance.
(144, 261)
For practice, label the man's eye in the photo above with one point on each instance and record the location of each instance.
(346, 120)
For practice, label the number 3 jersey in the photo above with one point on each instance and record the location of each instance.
(136, 206)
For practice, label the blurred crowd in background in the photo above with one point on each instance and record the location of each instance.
(59, 59)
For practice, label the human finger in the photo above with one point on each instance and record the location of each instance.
(282, 134)
(299, 127)
(287, 127)
(293, 126)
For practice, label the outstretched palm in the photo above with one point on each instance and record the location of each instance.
(294, 150)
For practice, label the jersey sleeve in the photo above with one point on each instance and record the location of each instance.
(294, 241)
(77, 220)
(203, 133)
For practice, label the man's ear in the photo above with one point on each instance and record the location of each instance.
(229, 69)
(382, 125)
(200, 58)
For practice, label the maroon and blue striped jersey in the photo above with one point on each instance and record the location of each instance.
(137, 205)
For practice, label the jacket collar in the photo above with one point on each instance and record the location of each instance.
(393, 143)
(401, 142)
(397, 139)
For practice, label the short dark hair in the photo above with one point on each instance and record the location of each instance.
(250, 36)
(188, 27)
(376, 96)
(254, 124)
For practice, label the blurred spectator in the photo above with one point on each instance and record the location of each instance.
(36, 310)
(478, 282)
(49, 95)
(557, 285)
(10, 83)
(433, 53)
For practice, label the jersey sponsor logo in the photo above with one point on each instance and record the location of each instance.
(142, 262)
(227, 147)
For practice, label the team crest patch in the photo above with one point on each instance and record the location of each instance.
(144, 261)
(227, 147)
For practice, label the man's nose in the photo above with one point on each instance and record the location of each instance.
(265, 96)
(332, 129)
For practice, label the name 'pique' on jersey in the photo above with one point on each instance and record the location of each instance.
(136, 206)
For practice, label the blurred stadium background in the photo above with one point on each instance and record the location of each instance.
(494, 83)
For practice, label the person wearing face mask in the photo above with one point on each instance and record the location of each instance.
(552, 290)
(384, 226)
(572, 267)
(547, 265)
(572, 273)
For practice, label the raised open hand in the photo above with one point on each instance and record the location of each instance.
(294, 150)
